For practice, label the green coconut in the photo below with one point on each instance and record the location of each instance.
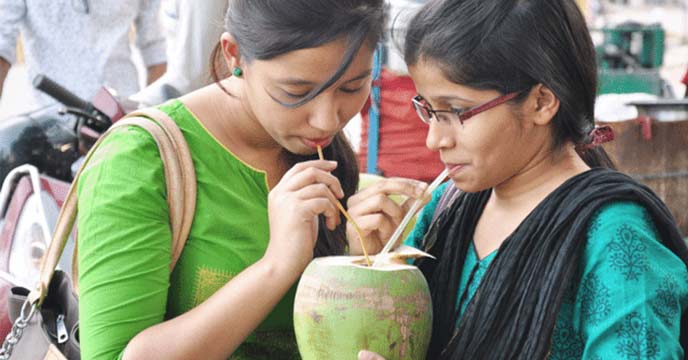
(343, 306)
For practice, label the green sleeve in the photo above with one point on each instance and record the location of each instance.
(415, 238)
(632, 293)
(124, 244)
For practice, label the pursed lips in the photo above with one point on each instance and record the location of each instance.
(454, 168)
(322, 142)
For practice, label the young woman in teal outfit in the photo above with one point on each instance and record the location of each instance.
(290, 75)
(543, 251)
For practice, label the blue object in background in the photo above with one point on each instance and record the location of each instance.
(374, 114)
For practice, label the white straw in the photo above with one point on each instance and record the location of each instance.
(417, 205)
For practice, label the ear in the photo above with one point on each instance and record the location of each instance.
(543, 104)
(230, 50)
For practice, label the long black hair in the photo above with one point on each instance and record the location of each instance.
(265, 29)
(511, 45)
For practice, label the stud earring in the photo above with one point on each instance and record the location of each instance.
(237, 72)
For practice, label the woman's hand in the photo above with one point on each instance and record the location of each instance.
(377, 214)
(307, 190)
(369, 355)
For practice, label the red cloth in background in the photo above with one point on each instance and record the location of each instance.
(402, 150)
(685, 78)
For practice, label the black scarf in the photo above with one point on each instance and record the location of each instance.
(515, 309)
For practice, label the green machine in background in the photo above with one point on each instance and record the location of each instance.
(629, 59)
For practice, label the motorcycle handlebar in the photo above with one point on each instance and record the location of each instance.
(48, 86)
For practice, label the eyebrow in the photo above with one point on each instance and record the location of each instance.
(447, 98)
(301, 82)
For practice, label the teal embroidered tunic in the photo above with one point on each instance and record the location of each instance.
(630, 293)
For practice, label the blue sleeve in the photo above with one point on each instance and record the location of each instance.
(424, 219)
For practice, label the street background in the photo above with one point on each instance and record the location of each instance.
(672, 15)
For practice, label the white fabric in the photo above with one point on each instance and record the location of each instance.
(614, 107)
(400, 13)
(82, 51)
(192, 28)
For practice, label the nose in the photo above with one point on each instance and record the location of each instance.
(439, 136)
(325, 115)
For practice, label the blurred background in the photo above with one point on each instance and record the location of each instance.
(668, 49)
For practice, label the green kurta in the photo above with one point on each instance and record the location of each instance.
(630, 293)
(124, 241)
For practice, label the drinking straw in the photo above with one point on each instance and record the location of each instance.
(346, 215)
(417, 205)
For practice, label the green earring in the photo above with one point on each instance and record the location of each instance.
(237, 72)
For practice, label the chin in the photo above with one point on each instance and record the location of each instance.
(299, 149)
(305, 153)
(469, 186)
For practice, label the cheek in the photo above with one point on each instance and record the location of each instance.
(267, 111)
(494, 144)
(483, 142)
(352, 104)
(282, 121)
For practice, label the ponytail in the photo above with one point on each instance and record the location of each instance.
(597, 157)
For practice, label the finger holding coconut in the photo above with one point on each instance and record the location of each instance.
(343, 304)
(369, 355)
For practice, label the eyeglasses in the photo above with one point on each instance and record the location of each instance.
(426, 112)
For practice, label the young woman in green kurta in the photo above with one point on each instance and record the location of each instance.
(543, 252)
(297, 72)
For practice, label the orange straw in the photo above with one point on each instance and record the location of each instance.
(346, 215)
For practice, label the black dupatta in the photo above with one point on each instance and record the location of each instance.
(515, 309)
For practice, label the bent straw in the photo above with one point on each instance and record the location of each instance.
(417, 205)
(348, 217)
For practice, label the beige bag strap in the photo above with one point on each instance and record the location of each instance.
(181, 193)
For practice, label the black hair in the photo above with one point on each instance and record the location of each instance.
(512, 45)
(265, 29)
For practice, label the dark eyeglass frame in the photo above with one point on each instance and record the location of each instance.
(426, 113)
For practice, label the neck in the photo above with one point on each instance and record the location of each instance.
(236, 121)
(539, 178)
(233, 123)
(230, 120)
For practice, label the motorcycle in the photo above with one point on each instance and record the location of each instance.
(39, 155)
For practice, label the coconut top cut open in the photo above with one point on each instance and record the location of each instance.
(391, 261)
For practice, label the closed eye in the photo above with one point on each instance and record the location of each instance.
(456, 110)
(295, 95)
(351, 91)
